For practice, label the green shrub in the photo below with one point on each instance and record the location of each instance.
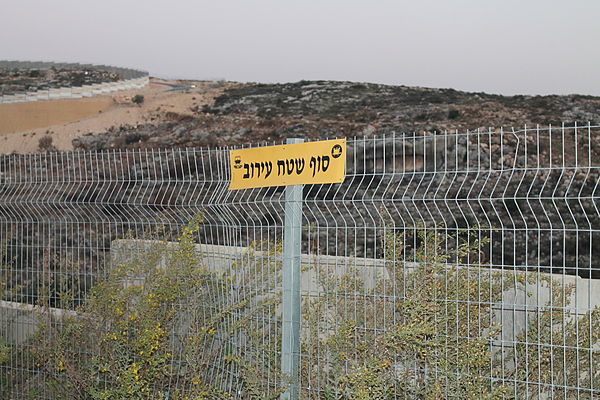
(453, 114)
(137, 99)
(163, 325)
(161, 317)
(4, 352)
(45, 143)
(440, 331)
(424, 330)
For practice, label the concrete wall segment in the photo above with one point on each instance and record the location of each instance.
(131, 79)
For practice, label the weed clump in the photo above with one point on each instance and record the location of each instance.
(137, 99)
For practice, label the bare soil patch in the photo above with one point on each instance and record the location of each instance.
(18, 117)
(65, 120)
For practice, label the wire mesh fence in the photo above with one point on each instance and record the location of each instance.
(454, 265)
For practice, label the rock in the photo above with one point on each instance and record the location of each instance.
(203, 138)
(240, 134)
(179, 131)
(368, 131)
(162, 141)
(199, 135)
(90, 142)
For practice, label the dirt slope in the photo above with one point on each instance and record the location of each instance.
(17, 117)
(23, 124)
(214, 113)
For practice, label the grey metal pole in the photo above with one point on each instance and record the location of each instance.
(290, 335)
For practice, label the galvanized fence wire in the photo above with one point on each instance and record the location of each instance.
(450, 265)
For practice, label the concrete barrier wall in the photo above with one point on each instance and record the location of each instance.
(18, 322)
(519, 303)
(132, 79)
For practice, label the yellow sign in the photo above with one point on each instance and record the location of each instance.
(288, 164)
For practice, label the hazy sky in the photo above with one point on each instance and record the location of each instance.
(499, 46)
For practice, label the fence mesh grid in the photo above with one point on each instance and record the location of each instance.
(454, 265)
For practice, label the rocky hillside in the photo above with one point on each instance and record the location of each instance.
(317, 110)
(14, 81)
(545, 219)
(322, 109)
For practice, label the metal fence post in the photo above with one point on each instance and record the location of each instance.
(290, 335)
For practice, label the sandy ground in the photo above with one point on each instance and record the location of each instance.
(23, 124)
(26, 116)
